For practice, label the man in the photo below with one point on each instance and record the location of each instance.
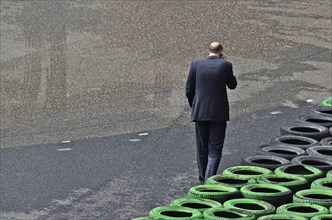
(207, 95)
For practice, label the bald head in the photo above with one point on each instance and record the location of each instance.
(215, 48)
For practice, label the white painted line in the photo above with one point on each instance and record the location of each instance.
(275, 113)
(135, 140)
(68, 141)
(310, 100)
(143, 134)
(64, 149)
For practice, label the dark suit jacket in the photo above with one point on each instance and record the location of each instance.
(206, 89)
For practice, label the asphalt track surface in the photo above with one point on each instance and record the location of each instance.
(124, 176)
(94, 121)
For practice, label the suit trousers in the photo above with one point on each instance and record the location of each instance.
(210, 136)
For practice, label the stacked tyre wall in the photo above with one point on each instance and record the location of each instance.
(288, 178)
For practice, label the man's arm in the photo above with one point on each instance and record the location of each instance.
(231, 79)
(190, 85)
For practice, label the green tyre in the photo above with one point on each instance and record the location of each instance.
(257, 207)
(223, 214)
(308, 172)
(281, 217)
(214, 192)
(327, 102)
(174, 213)
(194, 203)
(329, 174)
(230, 180)
(314, 196)
(322, 217)
(273, 194)
(302, 209)
(247, 171)
(294, 183)
(323, 183)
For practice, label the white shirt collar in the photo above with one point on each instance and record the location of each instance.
(213, 54)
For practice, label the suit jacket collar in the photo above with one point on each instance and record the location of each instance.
(213, 57)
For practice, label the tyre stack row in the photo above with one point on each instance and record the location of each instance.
(307, 141)
(289, 178)
(250, 192)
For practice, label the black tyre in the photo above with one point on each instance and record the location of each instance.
(266, 161)
(322, 217)
(194, 203)
(294, 183)
(247, 171)
(257, 207)
(223, 214)
(174, 212)
(295, 141)
(215, 192)
(323, 183)
(329, 174)
(302, 209)
(280, 150)
(320, 151)
(314, 131)
(273, 194)
(314, 196)
(230, 180)
(322, 120)
(281, 217)
(327, 111)
(308, 172)
(323, 164)
(326, 141)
